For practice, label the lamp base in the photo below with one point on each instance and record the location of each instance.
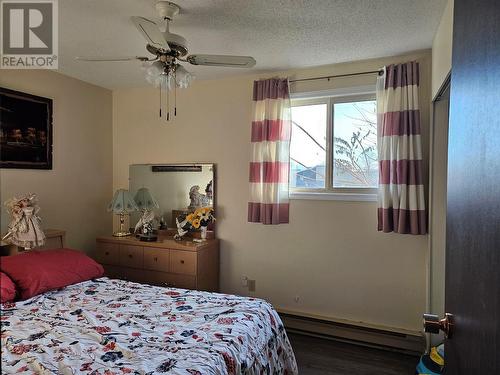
(148, 237)
(121, 234)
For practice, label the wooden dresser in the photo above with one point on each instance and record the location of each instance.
(181, 264)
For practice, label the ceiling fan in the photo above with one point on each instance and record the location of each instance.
(164, 69)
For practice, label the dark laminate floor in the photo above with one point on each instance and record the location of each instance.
(320, 356)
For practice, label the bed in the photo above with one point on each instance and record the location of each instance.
(107, 326)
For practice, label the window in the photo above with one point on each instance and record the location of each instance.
(334, 145)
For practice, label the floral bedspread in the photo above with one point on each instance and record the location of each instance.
(118, 327)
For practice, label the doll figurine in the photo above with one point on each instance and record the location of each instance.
(25, 228)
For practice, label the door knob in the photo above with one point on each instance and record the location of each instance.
(432, 324)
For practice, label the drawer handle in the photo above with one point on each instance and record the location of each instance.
(156, 259)
(182, 261)
(106, 253)
(130, 256)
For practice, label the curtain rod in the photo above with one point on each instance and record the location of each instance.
(379, 72)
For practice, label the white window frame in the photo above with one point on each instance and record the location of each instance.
(330, 98)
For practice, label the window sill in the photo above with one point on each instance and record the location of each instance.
(328, 196)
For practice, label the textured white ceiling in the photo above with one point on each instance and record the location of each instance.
(279, 34)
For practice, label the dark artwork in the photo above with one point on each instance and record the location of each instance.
(25, 130)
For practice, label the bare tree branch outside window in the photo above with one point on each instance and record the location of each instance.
(354, 146)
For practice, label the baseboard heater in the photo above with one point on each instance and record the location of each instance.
(353, 332)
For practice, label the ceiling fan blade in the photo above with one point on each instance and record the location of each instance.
(151, 32)
(222, 60)
(111, 58)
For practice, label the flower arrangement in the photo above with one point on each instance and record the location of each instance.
(199, 219)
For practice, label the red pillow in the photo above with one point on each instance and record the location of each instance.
(7, 288)
(39, 271)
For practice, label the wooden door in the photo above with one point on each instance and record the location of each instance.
(473, 208)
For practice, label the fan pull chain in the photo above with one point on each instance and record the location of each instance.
(175, 94)
(168, 103)
(161, 103)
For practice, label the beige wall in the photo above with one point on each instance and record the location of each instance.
(74, 194)
(331, 254)
(441, 49)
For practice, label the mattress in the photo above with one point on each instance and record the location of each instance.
(110, 327)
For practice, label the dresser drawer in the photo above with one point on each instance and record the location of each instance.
(166, 263)
(131, 256)
(107, 253)
(183, 262)
(156, 259)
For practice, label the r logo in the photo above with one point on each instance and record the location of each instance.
(29, 37)
(27, 28)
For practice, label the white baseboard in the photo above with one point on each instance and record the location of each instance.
(354, 332)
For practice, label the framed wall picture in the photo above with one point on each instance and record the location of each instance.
(25, 130)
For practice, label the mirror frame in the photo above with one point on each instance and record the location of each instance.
(177, 165)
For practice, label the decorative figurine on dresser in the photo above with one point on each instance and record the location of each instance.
(155, 257)
(146, 204)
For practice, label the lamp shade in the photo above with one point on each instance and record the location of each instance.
(122, 202)
(145, 201)
(183, 77)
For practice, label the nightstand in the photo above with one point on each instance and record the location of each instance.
(166, 262)
(54, 239)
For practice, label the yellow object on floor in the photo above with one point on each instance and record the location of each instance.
(436, 357)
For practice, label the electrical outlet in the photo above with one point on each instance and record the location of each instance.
(296, 299)
(251, 285)
(244, 281)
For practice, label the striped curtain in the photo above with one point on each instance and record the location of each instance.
(271, 128)
(401, 205)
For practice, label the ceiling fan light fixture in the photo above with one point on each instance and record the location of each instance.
(163, 70)
(167, 81)
(183, 78)
(156, 68)
(163, 81)
(162, 74)
(155, 81)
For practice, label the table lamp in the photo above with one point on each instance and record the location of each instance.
(145, 201)
(146, 204)
(122, 204)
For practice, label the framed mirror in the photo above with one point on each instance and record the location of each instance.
(178, 188)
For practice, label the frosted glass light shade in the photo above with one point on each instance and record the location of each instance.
(155, 69)
(122, 203)
(183, 77)
(158, 75)
(145, 201)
